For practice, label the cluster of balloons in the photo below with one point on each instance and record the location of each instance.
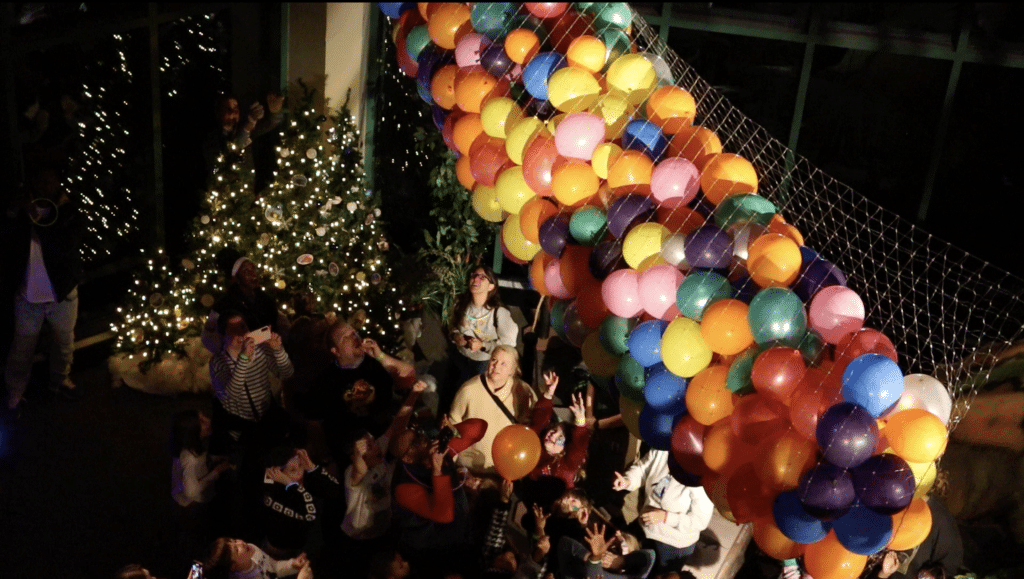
(726, 339)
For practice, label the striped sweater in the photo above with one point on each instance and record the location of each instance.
(244, 385)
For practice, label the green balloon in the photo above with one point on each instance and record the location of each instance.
(738, 378)
(699, 290)
(616, 44)
(602, 382)
(491, 18)
(614, 334)
(417, 39)
(588, 225)
(558, 318)
(777, 316)
(744, 207)
(630, 378)
(812, 346)
(614, 15)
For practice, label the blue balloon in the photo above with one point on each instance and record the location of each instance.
(645, 342)
(656, 428)
(745, 288)
(863, 531)
(424, 93)
(682, 475)
(795, 522)
(646, 137)
(539, 70)
(665, 392)
(874, 381)
(395, 9)
(438, 115)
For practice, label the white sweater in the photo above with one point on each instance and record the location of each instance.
(689, 508)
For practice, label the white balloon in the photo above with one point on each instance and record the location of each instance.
(927, 393)
(743, 234)
(673, 249)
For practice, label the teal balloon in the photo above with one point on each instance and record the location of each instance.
(616, 44)
(558, 318)
(699, 290)
(586, 7)
(417, 39)
(588, 225)
(630, 378)
(614, 334)
(812, 346)
(613, 15)
(744, 207)
(777, 316)
(491, 18)
(738, 379)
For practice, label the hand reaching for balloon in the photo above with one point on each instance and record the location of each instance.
(596, 541)
(579, 409)
(620, 483)
(275, 103)
(550, 383)
(541, 519)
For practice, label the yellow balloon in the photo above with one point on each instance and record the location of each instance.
(520, 136)
(520, 247)
(500, 114)
(630, 415)
(616, 111)
(924, 475)
(513, 192)
(633, 75)
(604, 157)
(573, 90)
(642, 242)
(683, 348)
(485, 202)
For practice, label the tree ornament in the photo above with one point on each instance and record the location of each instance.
(305, 259)
(205, 219)
(369, 219)
(337, 200)
(352, 206)
(274, 212)
(279, 284)
(264, 238)
(299, 180)
(321, 231)
(156, 299)
(285, 152)
(382, 245)
(361, 276)
(311, 153)
(376, 212)
(375, 278)
(333, 269)
(206, 300)
(188, 264)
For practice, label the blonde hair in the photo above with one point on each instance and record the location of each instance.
(518, 374)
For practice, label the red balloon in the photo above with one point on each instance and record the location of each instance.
(575, 268)
(748, 498)
(590, 304)
(487, 158)
(448, 129)
(538, 160)
(407, 21)
(755, 417)
(688, 445)
(863, 341)
(815, 394)
(777, 372)
(569, 26)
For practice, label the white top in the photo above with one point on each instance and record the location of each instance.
(689, 508)
(368, 514)
(37, 288)
(479, 322)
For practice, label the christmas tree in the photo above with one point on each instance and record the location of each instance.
(314, 230)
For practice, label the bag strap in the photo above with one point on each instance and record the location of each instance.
(501, 405)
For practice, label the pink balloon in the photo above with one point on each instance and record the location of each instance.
(553, 280)
(578, 135)
(546, 9)
(621, 293)
(467, 51)
(675, 178)
(658, 287)
(836, 311)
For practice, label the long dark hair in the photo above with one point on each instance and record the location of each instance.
(465, 298)
(186, 433)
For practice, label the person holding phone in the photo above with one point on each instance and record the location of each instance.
(243, 297)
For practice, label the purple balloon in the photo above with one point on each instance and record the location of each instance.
(554, 234)
(884, 483)
(816, 275)
(495, 60)
(432, 58)
(438, 115)
(709, 247)
(847, 434)
(703, 206)
(826, 491)
(627, 210)
(573, 327)
(540, 108)
(606, 258)
(745, 288)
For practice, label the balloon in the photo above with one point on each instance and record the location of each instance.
(709, 247)
(874, 382)
(815, 275)
(631, 171)
(533, 213)
(537, 271)
(417, 39)
(726, 174)
(772, 541)
(633, 75)
(485, 202)
(863, 531)
(672, 109)
(573, 90)
(588, 225)
(679, 219)
(683, 348)
(916, 435)
(465, 132)
(487, 159)
(538, 161)
(679, 473)
(862, 342)
(557, 317)
(795, 522)
(646, 137)
(621, 293)
(741, 207)
(724, 327)
(520, 136)
(911, 527)
(491, 18)
(587, 53)
(688, 445)
(467, 51)
(627, 210)
(496, 61)
(498, 115)
(783, 459)
(516, 451)
(617, 14)
(724, 452)
(518, 245)
(448, 23)
(553, 280)
(546, 9)
(826, 491)
(665, 393)
(577, 278)
(598, 360)
(695, 144)
(474, 86)
(658, 286)
(578, 135)
(656, 428)
(630, 378)
(464, 173)
(774, 260)
(522, 46)
(575, 329)
(829, 559)
(554, 234)
(605, 259)
(675, 178)
(836, 311)
(738, 380)
(927, 393)
(645, 342)
(847, 434)
(812, 397)
(777, 315)
(748, 499)
(513, 192)
(616, 43)
(615, 332)
(673, 250)
(756, 417)
(573, 181)
(777, 372)
(604, 157)
(884, 483)
(442, 87)
(395, 9)
(813, 348)
(708, 400)
(641, 247)
(630, 412)
(615, 111)
(538, 72)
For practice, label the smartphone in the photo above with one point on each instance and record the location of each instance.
(196, 572)
(259, 336)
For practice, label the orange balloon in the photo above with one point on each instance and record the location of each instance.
(748, 499)
(671, 108)
(779, 225)
(474, 85)
(916, 435)
(910, 527)
(717, 494)
(694, 143)
(708, 400)
(516, 451)
(540, 261)
(442, 87)
(784, 459)
(774, 260)
(574, 268)
(726, 174)
(681, 219)
(522, 45)
(487, 159)
(828, 559)
(630, 170)
(773, 542)
(586, 52)
(465, 132)
(533, 213)
(724, 452)
(777, 372)
(427, 9)
(448, 23)
(573, 181)
(465, 175)
(725, 327)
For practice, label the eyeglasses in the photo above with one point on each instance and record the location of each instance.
(480, 276)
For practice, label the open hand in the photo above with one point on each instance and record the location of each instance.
(540, 518)
(305, 461)
(275, 103)
(578, 408)
(596, 541)
(550, 383)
